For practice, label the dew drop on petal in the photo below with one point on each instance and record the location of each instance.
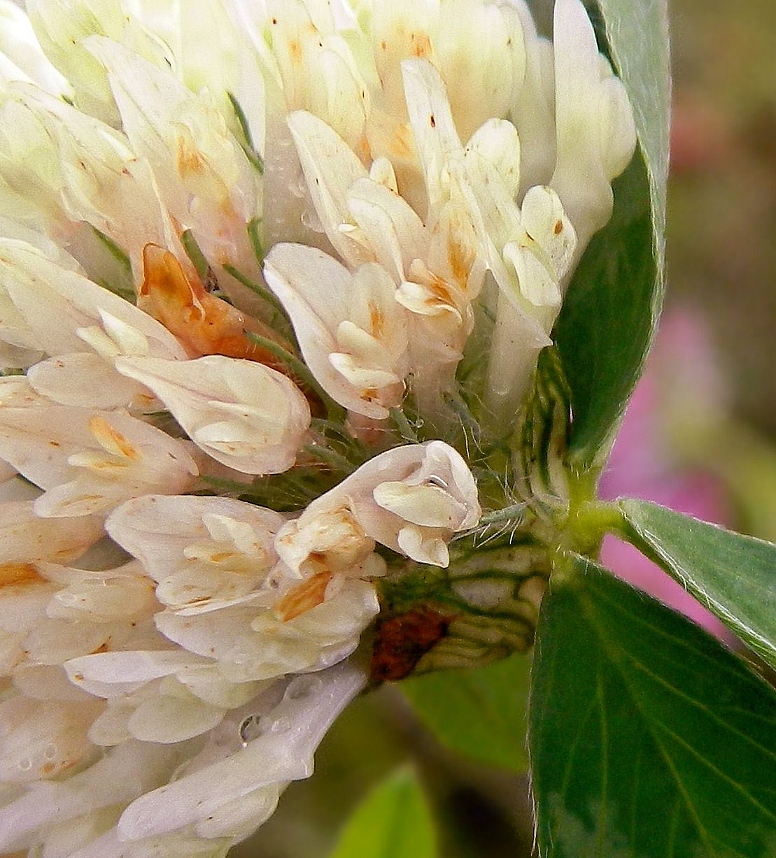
(250, 728)
(302, 686)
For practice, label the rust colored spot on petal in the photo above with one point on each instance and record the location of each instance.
(188, 160)
(112, 440)
(52, 769)
(440, 293)
(222, 556)
(309, 594)
(376, 321)
(204, 323)
(401, 145)
(421, 45)
(15, 574)
(461, 259)
(295, 51)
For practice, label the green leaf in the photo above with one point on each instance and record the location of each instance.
(648, 738)
(608, 317)
(480, 712)
(734, 576)
(637, 31)
(613, 303)
(393, 821)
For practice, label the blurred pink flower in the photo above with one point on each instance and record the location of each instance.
(680, 394)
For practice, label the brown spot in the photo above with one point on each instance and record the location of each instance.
(14, 574)
(401, 144)
(432, 120)
(376, 320)
(57, 768)
(305, 596)
(440, 291)
(364, 150)
(111, 438)
(188, 160)
(403, 639)
(295, 50)
(204, 323)
(421, 45)
(558, 228)
(460, 259)
(317, 558)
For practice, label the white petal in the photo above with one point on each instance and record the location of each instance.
(391, 491)
(167, 719)
(243, 414)
(281, 755)
(102, 597)
(122, 774)
(19, 44)
(497, 141)
(319, 294)
(39, 742)
(84, 380)
(90, 460)
(393, 230)
(26, 538)
(583, 103)
(330, 168)
(115, 674)
(56, 302)
(432, 122)
(204, 177)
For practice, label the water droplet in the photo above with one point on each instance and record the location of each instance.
(50, 751)
(302, 686)
(25, 764)
(437, 482)
(311, 220)
(181, 771)
(278, 725)
(251, 728)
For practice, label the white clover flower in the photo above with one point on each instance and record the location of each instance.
(267, 270)
(411, 499)
(352, 331)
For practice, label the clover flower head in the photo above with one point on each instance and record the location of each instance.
(274, 280)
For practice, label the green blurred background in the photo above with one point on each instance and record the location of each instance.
(712, 410)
